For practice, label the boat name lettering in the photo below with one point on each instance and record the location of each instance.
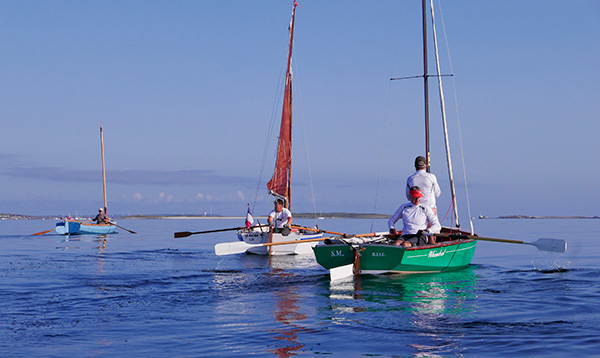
(436, 254)
(337, 253)
(378, 254)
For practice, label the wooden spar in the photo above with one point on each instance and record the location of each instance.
(426, 85)
(443, 108)
(103, 172)
(281, 182)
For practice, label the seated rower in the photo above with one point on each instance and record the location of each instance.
(415, 219)
(280, 218)
(101, 218)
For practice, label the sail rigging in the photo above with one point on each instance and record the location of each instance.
(444, 122)
(280, 183)
(439, 76)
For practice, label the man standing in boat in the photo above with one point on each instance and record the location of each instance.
(101, 218)
(416, 219)
(280, 218)
(426, 181)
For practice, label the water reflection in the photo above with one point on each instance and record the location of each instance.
(287, 312)
(422, 305)
(78, 242)
(290, 309)
(273, 296)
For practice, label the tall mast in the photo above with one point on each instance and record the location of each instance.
(103, 172)
(280, 184)
(443, 108)
(426, 85)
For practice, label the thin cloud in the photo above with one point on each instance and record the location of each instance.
(150, 177)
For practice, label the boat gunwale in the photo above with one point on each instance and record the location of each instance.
(412, 248)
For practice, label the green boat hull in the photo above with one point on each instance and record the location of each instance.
(380, 259)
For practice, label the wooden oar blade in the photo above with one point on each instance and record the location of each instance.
(230, 248)
(553, 245)
(182, 234)
(120, 227)
(42, 233)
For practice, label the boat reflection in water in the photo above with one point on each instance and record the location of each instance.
(291, 310)
(271, 291)
(420, 305)
(290, 316)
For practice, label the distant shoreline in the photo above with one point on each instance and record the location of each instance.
(539, 217)
(336, 215)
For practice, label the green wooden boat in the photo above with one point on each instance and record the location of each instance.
(379, 256)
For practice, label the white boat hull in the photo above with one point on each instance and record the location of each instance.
(257, 237)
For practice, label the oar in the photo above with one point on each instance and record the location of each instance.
(317, 230)
(237, 247)
(333, 232)
(553, 245)
(42, 233)
(120, 227)
(187, 233)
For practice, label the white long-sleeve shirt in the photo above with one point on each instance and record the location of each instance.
(428, 184)
(415, 218)
(280, 218)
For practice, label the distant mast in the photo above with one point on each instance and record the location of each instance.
(103, 172)
(281, 182)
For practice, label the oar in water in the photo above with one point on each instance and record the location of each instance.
(188, 233)
(42, 233)
(120, 227)
(552, 245)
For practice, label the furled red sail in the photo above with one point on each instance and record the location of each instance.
(280, 183)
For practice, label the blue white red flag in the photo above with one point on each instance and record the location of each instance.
(249, 218)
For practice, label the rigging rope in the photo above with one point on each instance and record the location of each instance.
(385, 122)
(268, 140)
(296, 89)
(443, 109)
(462, 155)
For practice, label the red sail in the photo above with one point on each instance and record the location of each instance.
(280, 183)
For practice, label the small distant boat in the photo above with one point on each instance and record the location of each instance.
(73, 227)
(377, 255)
(280, 184)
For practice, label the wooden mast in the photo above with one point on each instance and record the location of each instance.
(103, 172)
(426, 85)
(444, 122)
(281, 182)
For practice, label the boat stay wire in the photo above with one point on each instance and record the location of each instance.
(462, 155)
(297, 92)
(268, 138)
(387, 115)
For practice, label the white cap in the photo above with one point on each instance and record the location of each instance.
(101, 209)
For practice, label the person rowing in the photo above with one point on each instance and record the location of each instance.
(280, 218)
(416, 218)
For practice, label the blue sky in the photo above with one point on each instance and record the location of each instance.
(187, 90)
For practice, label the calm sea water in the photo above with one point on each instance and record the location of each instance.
(152, 295)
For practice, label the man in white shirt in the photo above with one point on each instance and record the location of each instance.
(280, 217)
(426, 181)
(416, 218)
